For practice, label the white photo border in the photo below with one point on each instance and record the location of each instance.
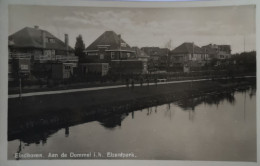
(158, 4)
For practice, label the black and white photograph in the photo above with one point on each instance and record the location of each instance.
(132, 83)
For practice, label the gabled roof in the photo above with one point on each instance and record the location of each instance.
(32, 38)
(110, 40)
(224, 47)
(188, 48)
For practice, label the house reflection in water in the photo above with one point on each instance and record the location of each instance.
(113, 120)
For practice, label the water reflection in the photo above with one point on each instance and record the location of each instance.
(67, 131)
(214, 98)
(111, 121)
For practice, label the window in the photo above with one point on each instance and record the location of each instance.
(113, 55)
(52, 52)
(51, 40)
(128, 55)
(101, 56)
(123, 45)
(92, 53)
(123, 55)
(24, 67)
(67, 67)
(48, 53)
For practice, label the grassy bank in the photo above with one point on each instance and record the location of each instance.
(69, 108)
(69, 84)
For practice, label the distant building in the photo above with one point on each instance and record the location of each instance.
(211, 51)
(107, 47)
(187, 55)
(220, 52)
(158, 57)
(38, 46)
(140, 54)
(111, 49)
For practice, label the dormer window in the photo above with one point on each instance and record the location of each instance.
(50, 40)
(123, 45)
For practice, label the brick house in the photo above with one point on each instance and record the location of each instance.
(187, 54)
(39, 47)
(109, 49)
(158, 57)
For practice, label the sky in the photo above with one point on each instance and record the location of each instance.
(144, 27)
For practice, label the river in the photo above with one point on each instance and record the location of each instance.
(212, 127)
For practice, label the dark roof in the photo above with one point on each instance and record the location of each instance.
(224, 47)
(188, 48)
(109, 38)
(213, 48)
(32, 38)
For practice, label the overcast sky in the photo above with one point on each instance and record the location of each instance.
(144, 26)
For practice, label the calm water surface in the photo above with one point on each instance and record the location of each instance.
(211, 127)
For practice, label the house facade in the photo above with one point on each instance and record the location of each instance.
(220, 52)
(211, 51)
(109, 48)
(38, 47)
(187, 55)
(224, 52)
(158, 57)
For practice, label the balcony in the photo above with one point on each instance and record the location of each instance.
(19, 55)
(59, 58)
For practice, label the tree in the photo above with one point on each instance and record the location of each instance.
(79, 48)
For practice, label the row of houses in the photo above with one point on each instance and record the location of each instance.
(34, 52)
(193, 56)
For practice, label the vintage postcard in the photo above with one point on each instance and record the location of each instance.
(132, 83)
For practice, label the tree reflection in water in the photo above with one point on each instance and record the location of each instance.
(211, 99)
(112, 120)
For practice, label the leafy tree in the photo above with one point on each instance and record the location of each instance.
(79, 48)
(246, 60)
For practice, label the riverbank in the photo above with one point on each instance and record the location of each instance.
(66, 85)
(37, 112)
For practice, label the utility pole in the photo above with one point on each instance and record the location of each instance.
(20, 85)
(168, 46)
(244, 44)
(120, 54)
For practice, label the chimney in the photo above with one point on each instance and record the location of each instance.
(119, 36)
(66, 41)
(36, 27)
(43, 39)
